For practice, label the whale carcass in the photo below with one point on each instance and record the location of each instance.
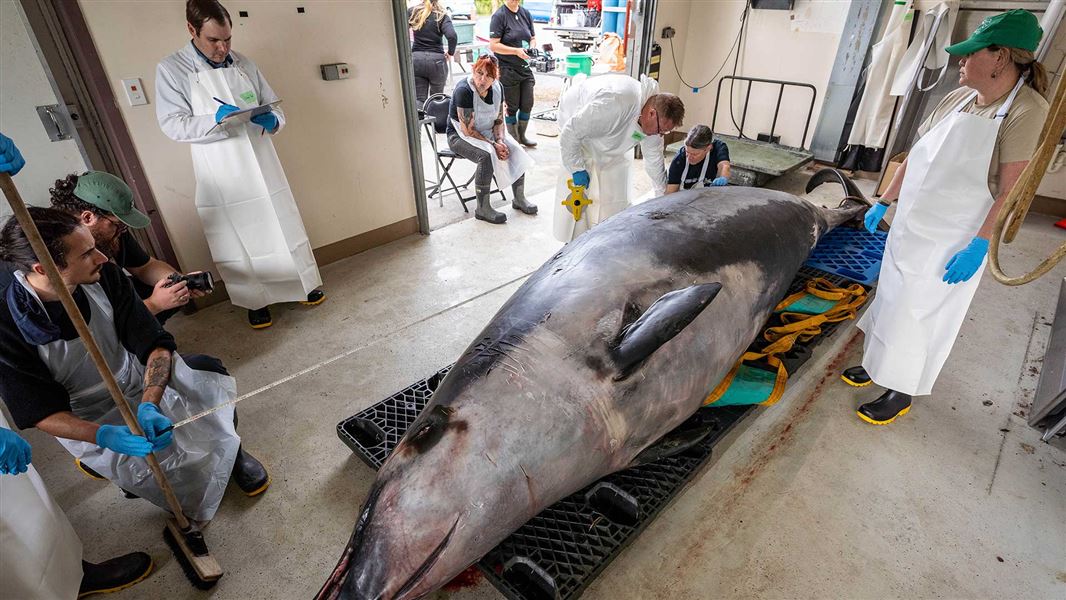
(612, 343)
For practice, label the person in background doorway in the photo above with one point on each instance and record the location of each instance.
(602, 119)
(510, 35)
(476, 132)
(429, 25)
(691, 165)
(40, 554)
(971, 151)
(104, 204)
(250, 218)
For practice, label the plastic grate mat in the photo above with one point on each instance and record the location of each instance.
(851, 253)
(559, 552)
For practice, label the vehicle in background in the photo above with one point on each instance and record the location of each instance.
(459, 9)
(540, 10)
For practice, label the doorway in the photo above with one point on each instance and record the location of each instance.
(562, 29)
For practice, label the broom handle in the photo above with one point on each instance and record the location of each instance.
(34, 236)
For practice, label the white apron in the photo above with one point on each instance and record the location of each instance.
(40, 555)
(874, 115)
(485, 115)
(703, 173)
(915, 316)
(199, 461)
(250, 219)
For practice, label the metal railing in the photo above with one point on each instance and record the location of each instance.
(777, 107)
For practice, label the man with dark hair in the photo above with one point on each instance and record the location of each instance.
(104, 204)
(41, 555)
(602, 119)
(48, 381)
(250, 218)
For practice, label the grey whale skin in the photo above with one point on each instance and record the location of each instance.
(612, 343)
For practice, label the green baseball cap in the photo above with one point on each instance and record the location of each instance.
(107, 192)
(1013, 29)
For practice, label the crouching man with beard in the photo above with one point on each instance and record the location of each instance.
(104, 204)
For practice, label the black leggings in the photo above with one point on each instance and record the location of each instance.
(517, 91)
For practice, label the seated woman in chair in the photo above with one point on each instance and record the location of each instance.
(691, 165)
(476, 132)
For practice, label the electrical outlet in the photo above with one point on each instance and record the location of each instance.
(668, 32)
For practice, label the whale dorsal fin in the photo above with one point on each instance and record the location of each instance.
(659, 324)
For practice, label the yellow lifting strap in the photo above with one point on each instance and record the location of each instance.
(796, 327)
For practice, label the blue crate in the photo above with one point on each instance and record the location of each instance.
(851, 253)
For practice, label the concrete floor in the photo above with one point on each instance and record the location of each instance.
(957, 499)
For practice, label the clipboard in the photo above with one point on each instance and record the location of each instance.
(245, 115)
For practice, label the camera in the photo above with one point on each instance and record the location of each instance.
(542, 61)
(196, 281)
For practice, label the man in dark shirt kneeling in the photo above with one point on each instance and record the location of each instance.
(48, 381)
(104, 204)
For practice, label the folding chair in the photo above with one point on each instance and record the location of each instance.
(438, 106)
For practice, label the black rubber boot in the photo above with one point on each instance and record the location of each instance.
(856, 376)
(521, 137)
(484, 210)
(249, 474)
(115, 574)
(886, 408)
(260, 318)
(519, 202)
(512, 128)
(315, 297)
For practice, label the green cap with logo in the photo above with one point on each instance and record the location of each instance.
(1013, 29)
(107, 192)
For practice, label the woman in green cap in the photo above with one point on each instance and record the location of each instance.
(970, 152)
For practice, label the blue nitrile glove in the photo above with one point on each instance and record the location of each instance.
(873, 216)
(581, 178)
(720, 181)
(224, 110)
(967, 261)
(121, 440)
(11, 161)
(268, 121)
(15, 453)
(152, 422)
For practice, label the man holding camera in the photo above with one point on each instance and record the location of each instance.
(48, 381)
(104, 203)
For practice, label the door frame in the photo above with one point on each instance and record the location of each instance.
(76, 73)
(410, 112)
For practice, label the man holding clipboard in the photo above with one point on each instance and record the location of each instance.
(218, 101)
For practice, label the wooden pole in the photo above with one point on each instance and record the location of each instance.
(60, 288)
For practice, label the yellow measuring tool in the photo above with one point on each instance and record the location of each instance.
(577, 200)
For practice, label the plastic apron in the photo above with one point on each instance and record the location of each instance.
(40, 555)
(703, 173)
(485, 115)
(199, 461)
(610, 177)
(250, 219)
(915, 316)
(874, 115)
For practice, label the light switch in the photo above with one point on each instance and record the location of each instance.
(135, 92)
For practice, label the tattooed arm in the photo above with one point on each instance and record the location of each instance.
(497, 125)
(156, 375)
(466, 122)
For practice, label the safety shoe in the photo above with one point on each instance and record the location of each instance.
(314, 298)
(249, 474)
(260, 318)
(84, 468)
(856, 376)
(523, 125)
(115, 574)
(886, 408)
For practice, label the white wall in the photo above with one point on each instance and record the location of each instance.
(798, 45)
(344, 147)
(672, 13)
(24, 86)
